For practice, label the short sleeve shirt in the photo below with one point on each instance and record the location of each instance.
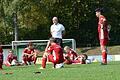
(56, 30)
(103, 33)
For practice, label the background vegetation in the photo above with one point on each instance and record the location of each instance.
(78, 17)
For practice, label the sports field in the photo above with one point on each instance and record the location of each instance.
(93, 71)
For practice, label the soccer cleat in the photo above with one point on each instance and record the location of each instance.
(61, 65)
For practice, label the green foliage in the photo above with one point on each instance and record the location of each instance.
(78, 17)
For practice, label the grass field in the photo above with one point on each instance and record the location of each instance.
(93, 71)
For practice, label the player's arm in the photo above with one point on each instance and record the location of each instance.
(48, 44)
(32, 53)
(103, 25)
(51, 30)
(63, 33)
(26, 54)
(63, 30)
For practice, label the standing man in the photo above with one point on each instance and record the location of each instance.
(103, 34)
(57, 31)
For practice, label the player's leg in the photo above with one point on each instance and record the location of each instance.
(34, 57)
(9, 60)
(25, 60)
(56, 60)
(34, 60)
(1, 63)
(52, 59)
(104, 54)
(44, 60)
(104, 51)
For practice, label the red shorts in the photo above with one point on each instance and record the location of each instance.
(103, 42)
(55, 61)
(26, 58)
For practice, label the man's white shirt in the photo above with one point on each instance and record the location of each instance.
(56, 30)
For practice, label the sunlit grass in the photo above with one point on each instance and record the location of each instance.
(93, 71)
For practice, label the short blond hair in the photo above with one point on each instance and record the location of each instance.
(66, 47)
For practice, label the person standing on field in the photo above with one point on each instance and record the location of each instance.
(103, 34)
(57, 31)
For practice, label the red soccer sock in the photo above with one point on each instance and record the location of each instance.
(44, 60)
(35, 60)
(0, 66)
(25, 60)
(104, 57)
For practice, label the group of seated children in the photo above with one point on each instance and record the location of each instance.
(54, 53)
(29, 56)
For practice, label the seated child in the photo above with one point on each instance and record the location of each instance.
(11, 59)
(70, 55)
(29, 54)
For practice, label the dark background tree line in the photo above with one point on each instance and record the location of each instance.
(78, 17)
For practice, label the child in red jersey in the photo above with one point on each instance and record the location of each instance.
(30, 54)
(11, 58)
(70, 55)
(1, 57)
(53, 53)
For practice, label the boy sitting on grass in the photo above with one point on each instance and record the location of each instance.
(71, 57)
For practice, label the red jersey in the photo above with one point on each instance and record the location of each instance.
(28, 51)
(1, 50)
(57, 52)
(1, 56)
(72, 54)
(103, 31)
(1, 53)
(10, 56)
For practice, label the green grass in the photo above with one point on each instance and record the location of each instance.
(93, 71)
